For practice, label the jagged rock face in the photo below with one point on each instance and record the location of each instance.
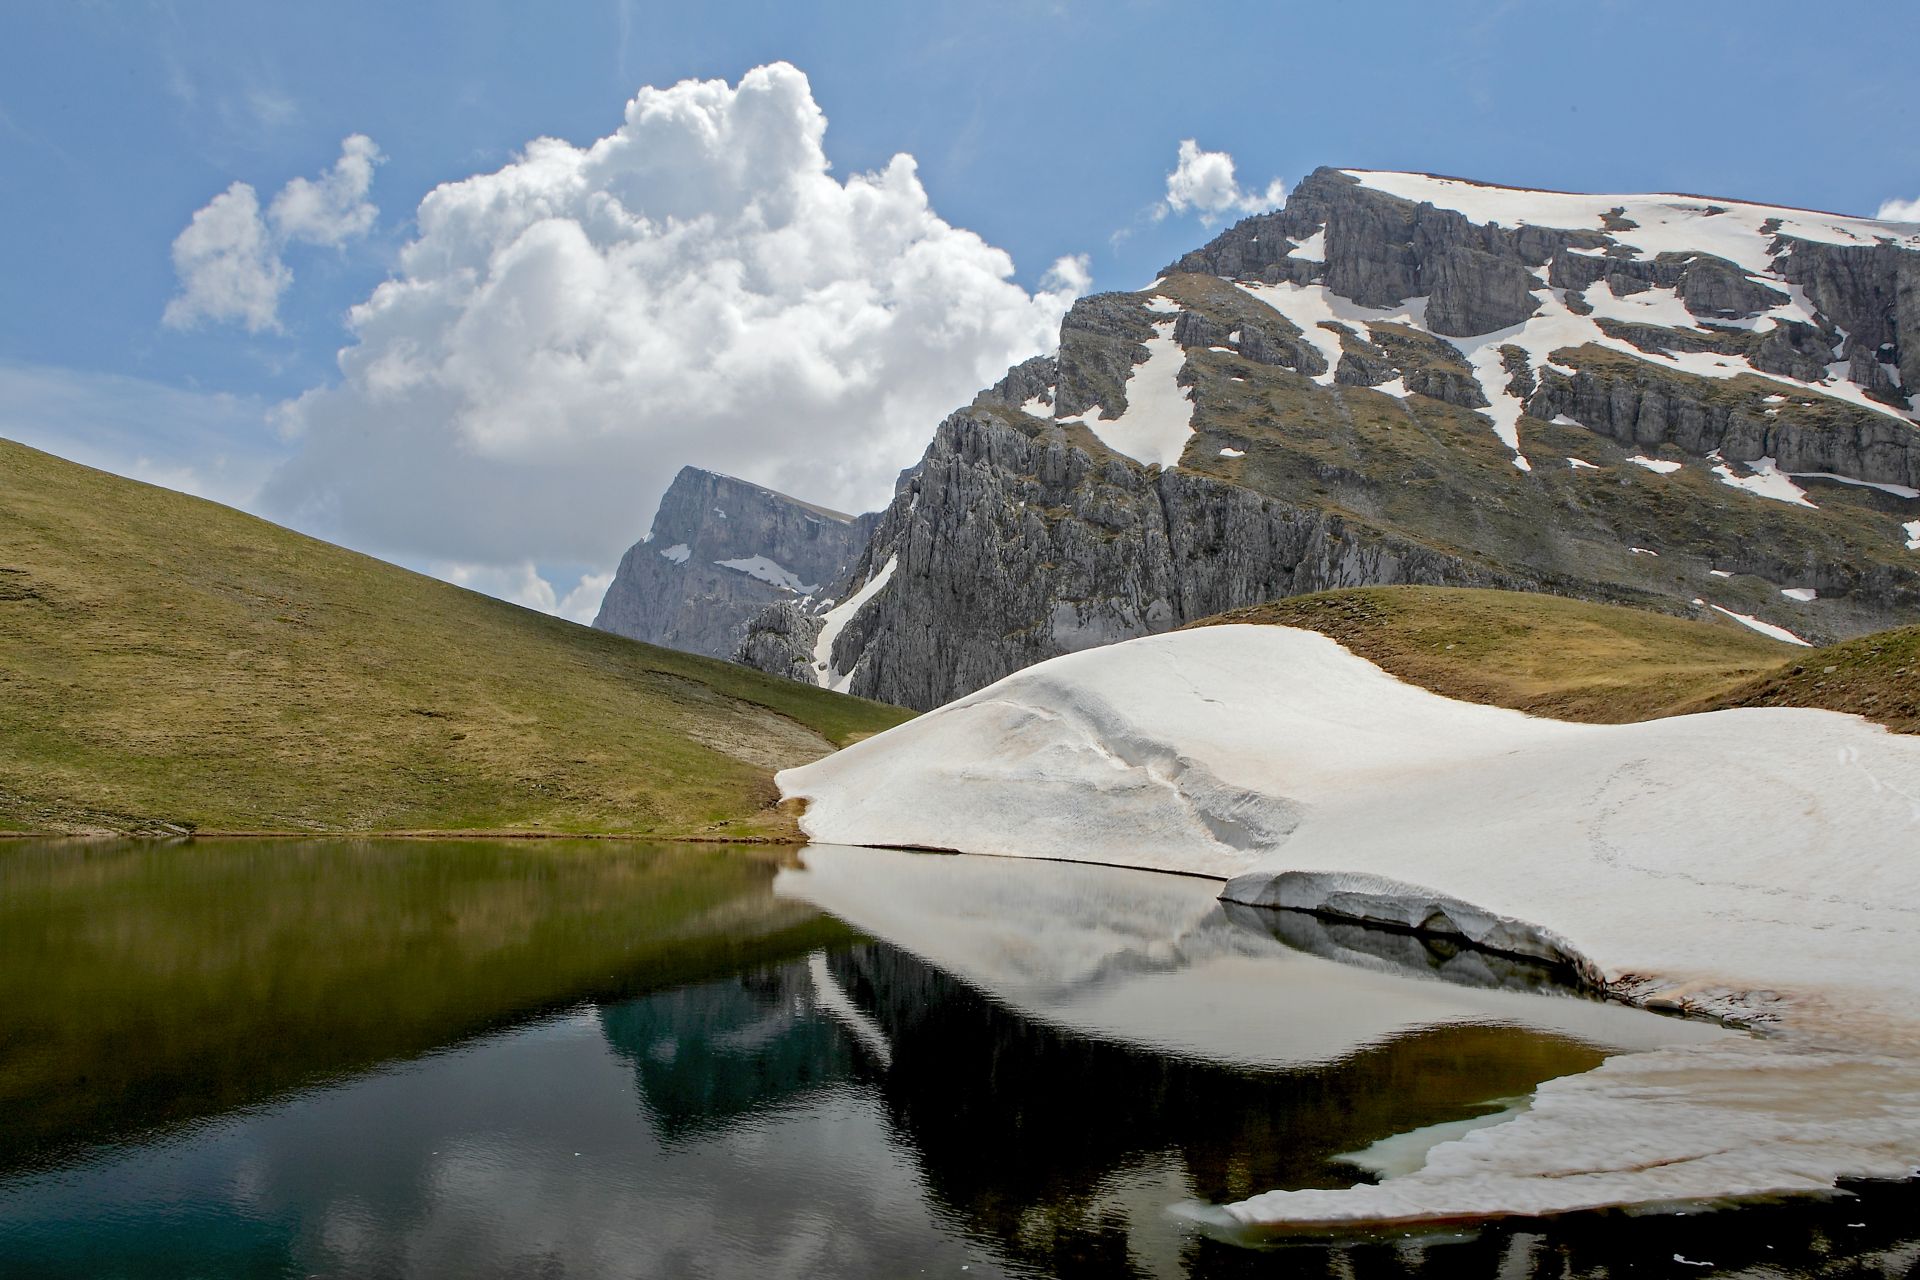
(1397, 378)
(1014, 544)
(1641, 404)
(780, 639)
(721, 550)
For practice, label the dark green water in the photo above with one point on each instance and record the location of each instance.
(506, 1059)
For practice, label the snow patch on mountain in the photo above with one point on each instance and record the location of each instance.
(769, 571)
(1765, 480)
(1764, 628)
(1314, 307)
(1897, 490)
(1740, 232)
(1158, 419)
(835, 620)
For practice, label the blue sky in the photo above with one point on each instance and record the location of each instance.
(1046, 130)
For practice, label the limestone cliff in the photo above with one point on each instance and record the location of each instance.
(719, 551)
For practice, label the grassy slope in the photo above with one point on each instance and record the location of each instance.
(1599, 663)
(1876, 676)
(165, 660)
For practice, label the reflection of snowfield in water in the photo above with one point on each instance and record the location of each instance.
(1158, 962)
(1736, 1119)
(1754, 863)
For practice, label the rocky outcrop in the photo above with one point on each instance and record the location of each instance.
(780, 640)
(1638, 403)
(721, 550)
(1428, 366)
(1013, 543)
(1871, 292)
(1381, 250)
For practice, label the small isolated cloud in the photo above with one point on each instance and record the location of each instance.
(334, 209)
(228, 259)
(696, 286)
(1900, 211)
(1070, 277)
(228, 265)
(1203, 183)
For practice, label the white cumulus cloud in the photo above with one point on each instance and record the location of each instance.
(522, 584)
(1203, 183)
(1900, 211)
(334, 209)
(228, 259)
(695, 287)
(228, 265)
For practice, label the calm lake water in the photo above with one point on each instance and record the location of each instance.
(507, 1058)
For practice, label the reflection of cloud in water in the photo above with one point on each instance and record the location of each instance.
(1153, 960)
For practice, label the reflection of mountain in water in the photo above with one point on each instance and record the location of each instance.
(708, 1054)
(1062, 1150)
(1019, 1127)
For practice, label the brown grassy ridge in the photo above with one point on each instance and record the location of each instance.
(1603, 664)
(170, 664)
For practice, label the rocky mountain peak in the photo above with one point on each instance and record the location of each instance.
(720, 549)
(1697, 405)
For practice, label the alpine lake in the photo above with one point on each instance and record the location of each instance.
(595, 1058)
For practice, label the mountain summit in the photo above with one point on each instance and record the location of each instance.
(1698, 406)
(719, 551)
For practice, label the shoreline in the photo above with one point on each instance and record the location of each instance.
(182, 837)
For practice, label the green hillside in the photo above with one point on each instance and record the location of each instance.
(1574, 660)
(170, 664)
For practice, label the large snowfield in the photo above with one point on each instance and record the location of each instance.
(1762, 865)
